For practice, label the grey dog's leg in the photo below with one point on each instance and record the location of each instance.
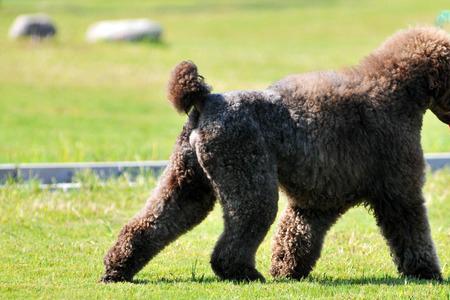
(245, 179)
(182, 199)
(298, 241)
(404, 224)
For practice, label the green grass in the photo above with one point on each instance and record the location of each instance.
(67, 100)
(52, 245)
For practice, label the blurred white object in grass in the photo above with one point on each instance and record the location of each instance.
(124, 30)
(36, 26)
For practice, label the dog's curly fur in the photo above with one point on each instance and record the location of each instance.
(330, 140)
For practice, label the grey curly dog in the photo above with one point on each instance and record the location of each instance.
(330, 140)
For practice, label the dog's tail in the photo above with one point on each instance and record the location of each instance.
(187, 88)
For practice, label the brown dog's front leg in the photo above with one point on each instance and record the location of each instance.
(404, 223)
(298, 241)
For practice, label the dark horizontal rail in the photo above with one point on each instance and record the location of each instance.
(438, 161)
(66, 172)
(53, 173)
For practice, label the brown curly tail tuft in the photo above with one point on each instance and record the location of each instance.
(186, 87)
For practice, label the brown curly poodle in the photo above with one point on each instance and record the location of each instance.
(330, 140)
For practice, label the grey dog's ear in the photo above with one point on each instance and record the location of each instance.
(438, 78)
(433, 80)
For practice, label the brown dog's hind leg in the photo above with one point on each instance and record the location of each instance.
(298, 241)
(182, 199)
(246, 180)
(249, 210)
(404, 224)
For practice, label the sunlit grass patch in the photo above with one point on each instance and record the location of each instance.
(53, 243)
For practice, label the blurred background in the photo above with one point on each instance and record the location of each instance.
(65, 99)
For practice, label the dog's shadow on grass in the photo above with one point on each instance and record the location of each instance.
(163, 280)
(387, 280)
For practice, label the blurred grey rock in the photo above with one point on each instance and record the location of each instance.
(124, 30)
(36, 26)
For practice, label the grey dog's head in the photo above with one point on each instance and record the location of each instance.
(439, 84)
(438, 52)
(441, 107)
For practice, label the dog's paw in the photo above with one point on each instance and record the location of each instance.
(112, 278)
(239, 273)
(426, 274)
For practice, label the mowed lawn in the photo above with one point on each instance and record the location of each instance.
(67, 100)
(52, 245)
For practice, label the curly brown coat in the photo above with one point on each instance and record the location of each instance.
(330, 140)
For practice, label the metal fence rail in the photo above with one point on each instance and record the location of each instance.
(60, 173)
(49, 173)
